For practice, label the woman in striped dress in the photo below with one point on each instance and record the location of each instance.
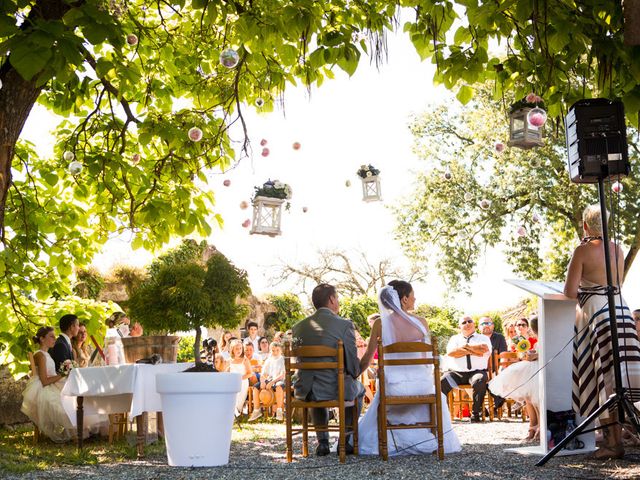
(593, 375)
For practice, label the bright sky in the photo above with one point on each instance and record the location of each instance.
(345, 123)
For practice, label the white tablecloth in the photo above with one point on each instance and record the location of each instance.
(116, 389)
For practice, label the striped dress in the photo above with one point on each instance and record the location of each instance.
(593, 375)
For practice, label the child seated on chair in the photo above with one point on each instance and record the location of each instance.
(272, 378)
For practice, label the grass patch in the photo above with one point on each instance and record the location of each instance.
(19, 454)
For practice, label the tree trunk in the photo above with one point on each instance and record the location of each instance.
(196, 345)
(17, 98)
(631, 22)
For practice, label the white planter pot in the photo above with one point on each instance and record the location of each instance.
(198, 416)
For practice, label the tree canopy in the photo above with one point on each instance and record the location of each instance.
(150, 106)
(534, 211)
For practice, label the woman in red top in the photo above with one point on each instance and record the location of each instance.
(522, 329)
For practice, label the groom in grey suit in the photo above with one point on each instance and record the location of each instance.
(325, 328)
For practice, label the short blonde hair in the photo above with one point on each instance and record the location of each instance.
(592, 218)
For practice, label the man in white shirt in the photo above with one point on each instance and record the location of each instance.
(468, 353)
(252, 328)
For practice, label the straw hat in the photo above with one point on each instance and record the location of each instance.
(267, 397)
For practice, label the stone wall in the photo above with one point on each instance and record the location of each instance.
(11, 398)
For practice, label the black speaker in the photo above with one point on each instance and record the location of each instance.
(596, 140)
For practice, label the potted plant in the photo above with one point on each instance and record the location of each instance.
(186, 293)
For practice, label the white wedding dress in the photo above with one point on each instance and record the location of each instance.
(43, 405)
(405, 380)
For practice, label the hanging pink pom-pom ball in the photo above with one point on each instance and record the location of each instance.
(305, 209)
(132, 39)
(265, 152)
(195, 134)
(246, 223)
(522, 231)
(244, 205)
(135, 158)
(617, 187)
(296, 145)
(499, 146)
(263, 142)
(536, 117)
(227, 182)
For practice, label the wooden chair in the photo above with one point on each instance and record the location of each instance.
(433, 401)
(459, 397)
(118, 425)
(32, 364)
(298, 358)
(504, 360)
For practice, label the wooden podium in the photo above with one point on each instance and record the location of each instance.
(556, 319)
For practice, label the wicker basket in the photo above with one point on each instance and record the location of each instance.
(136, 348)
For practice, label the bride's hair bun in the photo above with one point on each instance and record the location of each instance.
(41, 333)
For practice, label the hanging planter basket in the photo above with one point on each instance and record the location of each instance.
(371, 189)
(267, 208)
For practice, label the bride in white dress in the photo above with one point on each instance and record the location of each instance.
(41, 400)
(397, 325)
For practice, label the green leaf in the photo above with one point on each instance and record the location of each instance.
(465, 94)
(29, 60)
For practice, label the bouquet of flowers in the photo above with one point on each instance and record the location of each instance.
(274, 189)
(66, 367)
(521, 344)
(367, 171)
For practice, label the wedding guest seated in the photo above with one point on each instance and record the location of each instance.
(498, 344)
(42, 402)
(522, 331)
(263, 354)
(278, 337)
(223, 345)
(272, 378)
(253, 360)
(62, 349)
(520, 382)
(468, 354)
(252, 329)
(81, 349)
(240, 364)
(510, 332)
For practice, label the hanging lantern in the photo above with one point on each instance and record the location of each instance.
(267, 207)
(527, 119)
(371, 189)
(229, 58)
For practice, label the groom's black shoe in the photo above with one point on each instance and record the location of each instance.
(323, 449)
(348, 449)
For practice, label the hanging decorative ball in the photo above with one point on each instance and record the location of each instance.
(195, 134)
(135, 158)
(533, 98)
(132, 39)
(68, 156)
(522, 231)
(259, 102)
(347, 183)
(485, 204)
(229, 58)
(617, 187)
(447, 175)
(536, 218)
(305, 209)
(75, 167)
(227, 182)
(263, 142)
(244, 204)
(265, 152)
(296, 145)
(468, 196)
(537, 117)
(499, 146)
(246, 223)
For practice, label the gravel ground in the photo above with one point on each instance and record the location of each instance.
(258, 452)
